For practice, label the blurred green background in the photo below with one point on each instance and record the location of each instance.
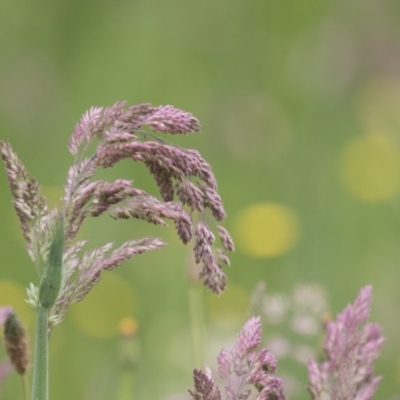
(299, 104)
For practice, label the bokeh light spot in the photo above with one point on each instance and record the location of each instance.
(100, 313)
(231, 308)
(128, 326)
(369, 168)
(266, 229)
(13, 294)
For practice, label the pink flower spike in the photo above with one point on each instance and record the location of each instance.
(249, 337)
(241, 367)
(351, 346)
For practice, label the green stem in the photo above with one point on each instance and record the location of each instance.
(40, 381)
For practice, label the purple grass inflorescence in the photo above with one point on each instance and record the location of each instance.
(186, 184)
(241, 368)
(351, 347)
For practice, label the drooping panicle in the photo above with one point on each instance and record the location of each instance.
(186, 185)
(179, 173)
